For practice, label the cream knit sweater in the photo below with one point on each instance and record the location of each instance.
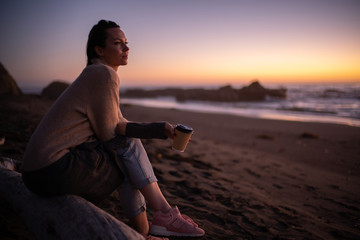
(87, 110)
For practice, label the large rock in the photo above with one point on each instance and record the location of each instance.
(256, 92)
(60, 217)
(8, 84)
(253, 92)
(54, 89)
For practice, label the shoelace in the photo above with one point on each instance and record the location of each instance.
(189, 220)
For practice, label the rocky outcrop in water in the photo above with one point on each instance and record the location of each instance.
(8, 85)
(253, 92)
(54, 89)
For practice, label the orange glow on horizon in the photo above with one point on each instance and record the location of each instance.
(280, 71)
(281, 64)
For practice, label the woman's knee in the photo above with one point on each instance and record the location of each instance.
(131, 200)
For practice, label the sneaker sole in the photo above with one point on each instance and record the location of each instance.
(162, 231)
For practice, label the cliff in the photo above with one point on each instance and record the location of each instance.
(8, 85)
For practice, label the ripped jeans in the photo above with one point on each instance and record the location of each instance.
(138, 172)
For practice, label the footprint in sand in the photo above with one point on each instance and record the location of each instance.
(252, 173)
(277, 186)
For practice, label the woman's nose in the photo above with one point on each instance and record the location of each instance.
(125, 48)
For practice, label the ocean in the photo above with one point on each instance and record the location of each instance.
(329, 103)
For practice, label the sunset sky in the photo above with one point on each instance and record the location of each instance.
(188, 41)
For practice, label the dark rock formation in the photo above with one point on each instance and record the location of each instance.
(54, 89)
(8, 84)
(257, 92)
(253, 92)
(60, 217)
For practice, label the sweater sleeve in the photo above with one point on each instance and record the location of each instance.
(103, 108)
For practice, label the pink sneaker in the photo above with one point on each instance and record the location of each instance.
(174, 224)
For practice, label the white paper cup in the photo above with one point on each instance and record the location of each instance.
(181, 138)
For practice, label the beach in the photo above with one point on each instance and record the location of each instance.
(239, 178)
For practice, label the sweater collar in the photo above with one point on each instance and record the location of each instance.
(101, 62)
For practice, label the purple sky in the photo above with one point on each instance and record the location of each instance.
(188, 41)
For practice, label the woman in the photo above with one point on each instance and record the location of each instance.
(85, 146)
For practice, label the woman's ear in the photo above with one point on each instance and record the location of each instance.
(99, 51)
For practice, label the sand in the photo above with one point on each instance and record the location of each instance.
(239, 178)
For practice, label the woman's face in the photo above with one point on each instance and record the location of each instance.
(115, 52)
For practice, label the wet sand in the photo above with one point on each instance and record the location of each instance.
(239, 178)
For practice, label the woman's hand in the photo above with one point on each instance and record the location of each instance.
(169, 130)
